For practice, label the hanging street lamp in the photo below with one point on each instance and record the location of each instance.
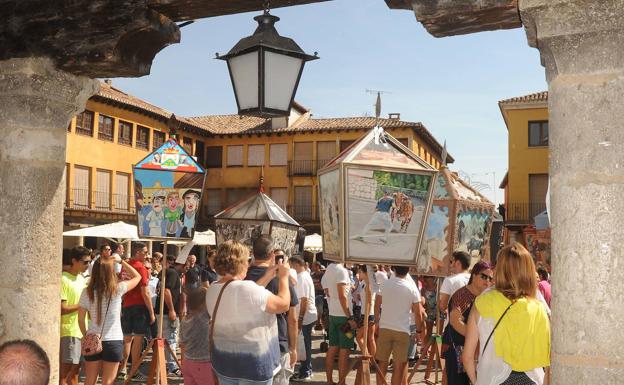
(265, 69)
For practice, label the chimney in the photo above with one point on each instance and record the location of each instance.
(394, 116)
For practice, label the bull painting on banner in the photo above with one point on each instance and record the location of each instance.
(168, 186)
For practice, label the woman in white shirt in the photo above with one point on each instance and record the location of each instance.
(102, 301)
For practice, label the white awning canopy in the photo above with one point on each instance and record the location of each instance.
(313, 243)
(117, 231)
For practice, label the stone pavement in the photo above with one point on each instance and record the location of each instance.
(318, 365)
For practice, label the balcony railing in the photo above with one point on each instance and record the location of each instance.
(303, 213)
(523, 213)
(80, 199)
(305, 167)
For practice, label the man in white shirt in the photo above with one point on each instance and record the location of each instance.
(337, 283)
(307, 314)
(402, 301)
(460, 262)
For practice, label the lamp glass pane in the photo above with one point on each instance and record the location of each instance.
(244, 72)
(280, 74)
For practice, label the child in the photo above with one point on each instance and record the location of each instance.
(194, 336)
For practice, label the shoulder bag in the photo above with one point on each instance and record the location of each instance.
(212, 325)
(91, 344)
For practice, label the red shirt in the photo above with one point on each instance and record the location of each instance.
(134, 297)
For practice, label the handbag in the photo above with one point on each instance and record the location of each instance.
(212, 324)
(91, 343)
(495, 326)
(301, 352)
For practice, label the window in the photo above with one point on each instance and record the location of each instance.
(234, 156)
(187, 144)
(199, 153)
(325, 151)
(538, 134)
(158, 139)
(105, 128)
(303, 202)
(279, 195)
(121, 191)
(214, 157)
(255, 155)
(303, 164)
(538, 187)
(345, 143)
(278, 155)
(214, 202)
(234, 195)
(125, 133)
(80, 192)
(84, 123)
(102, 189)
(143, 137)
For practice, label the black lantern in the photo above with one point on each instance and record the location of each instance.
(265, 69)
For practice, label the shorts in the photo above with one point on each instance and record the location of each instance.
(70, 350)
(112, 351)
(360, 320)
(134, 320)
(392, 341)
(336, 336)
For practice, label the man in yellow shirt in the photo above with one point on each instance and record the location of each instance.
(72, 284)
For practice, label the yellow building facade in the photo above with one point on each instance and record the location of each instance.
(117, 130)
(526, 181)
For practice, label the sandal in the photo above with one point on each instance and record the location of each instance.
(176, 372)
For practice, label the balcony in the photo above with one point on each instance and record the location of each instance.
(81, 200)
(305, 167)
(523, 213)
(303, 213)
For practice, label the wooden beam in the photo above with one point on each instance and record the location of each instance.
(180, 10)
(458, 17)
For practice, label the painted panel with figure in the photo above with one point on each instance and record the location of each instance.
(329, 186)
(435, 245)
(472, 231)
(385, 214)
(284, 237)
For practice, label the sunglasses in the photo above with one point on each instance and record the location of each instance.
(486, 277)
(86, 262)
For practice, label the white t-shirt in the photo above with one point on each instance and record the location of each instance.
(398, 295)
(454, 282)
(305, 289)
(112, 319)
(380, 278)
(245, 336)
(335, 274)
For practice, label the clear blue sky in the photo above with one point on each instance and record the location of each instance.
(451, 85)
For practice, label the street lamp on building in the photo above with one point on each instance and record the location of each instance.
(265, 69)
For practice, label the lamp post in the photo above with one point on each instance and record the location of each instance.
(265, 69)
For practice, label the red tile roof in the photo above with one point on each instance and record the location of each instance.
(537, 97)
(237, 124)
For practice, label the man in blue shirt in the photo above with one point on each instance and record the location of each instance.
(380, 217)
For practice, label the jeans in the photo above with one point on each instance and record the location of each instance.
(305, 369)
(170, 333)
(411, 351)
(239, 381)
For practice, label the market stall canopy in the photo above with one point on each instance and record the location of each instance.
(313, 243)
(205, 238)
(114, 231)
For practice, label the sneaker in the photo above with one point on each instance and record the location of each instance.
(306, 379)
(122, 376)
(139, 377)
(176, 372)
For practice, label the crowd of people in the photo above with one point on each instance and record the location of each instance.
(248, 316)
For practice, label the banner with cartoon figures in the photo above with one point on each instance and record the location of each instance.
(168, 184)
